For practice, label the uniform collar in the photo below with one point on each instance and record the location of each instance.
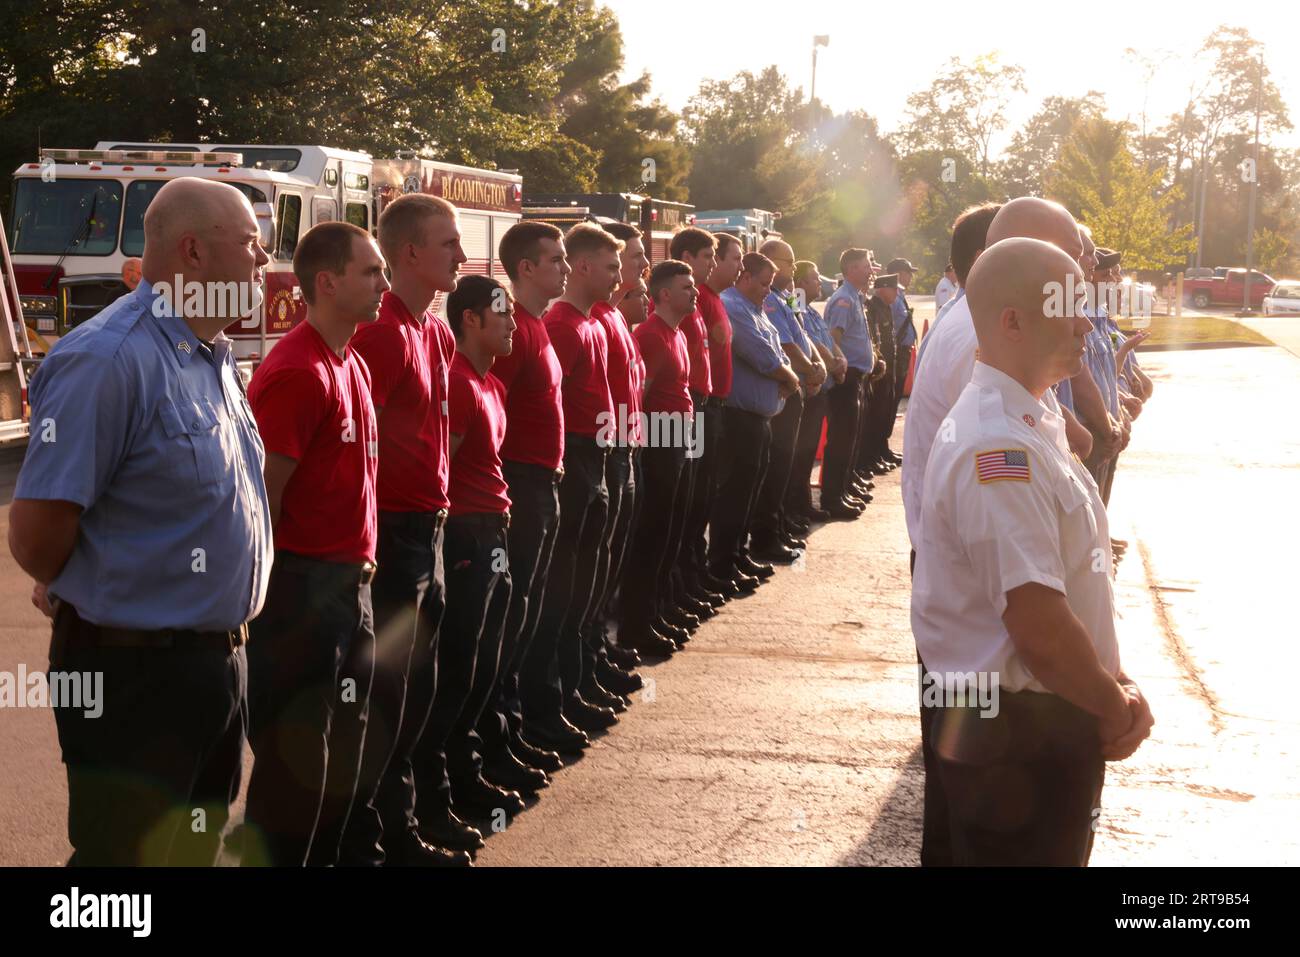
(1019, 404)
(182, 342)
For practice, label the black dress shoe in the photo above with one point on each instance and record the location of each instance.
(543, 760)
(711, 582)
(843, 513)
(711, 598)
(777, 554)
(648, 643)
(616, 680)
(413, 851)
(795, 542)
(819, 515)
(556, 735)
(445, 829)
(693, 606)
(798, 529)
(759, 570)
(623, 656)
(482, 798)
(894, 456)
(587, 716)
(681, 619)
(510, 774)
(677, 635)
(593, 692)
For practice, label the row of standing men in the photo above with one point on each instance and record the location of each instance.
(419, 562)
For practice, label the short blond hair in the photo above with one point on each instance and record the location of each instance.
(406, 219)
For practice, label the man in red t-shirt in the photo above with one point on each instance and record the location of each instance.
(314, 639)
(604, 682)
(532, 254)
(409, 351)
(668, 408)
(475, 556)
(694, 593)
(555, 715)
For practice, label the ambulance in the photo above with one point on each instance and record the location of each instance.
(76, 226)
(659, 219)
(752, 227)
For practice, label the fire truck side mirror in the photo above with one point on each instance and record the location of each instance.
(265, 214)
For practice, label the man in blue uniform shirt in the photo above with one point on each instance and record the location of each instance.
(847, 321)
(904, 339)
(141, 508)
(775, 540)
(761, 382)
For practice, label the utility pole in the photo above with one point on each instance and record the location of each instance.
(821, 40)
(1254, 192)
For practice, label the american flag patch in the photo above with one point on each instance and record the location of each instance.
(1004, 465)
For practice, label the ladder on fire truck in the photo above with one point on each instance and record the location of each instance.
(14, 349)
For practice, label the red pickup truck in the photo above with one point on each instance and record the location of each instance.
(1227, 291)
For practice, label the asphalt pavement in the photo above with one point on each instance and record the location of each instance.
(786, 732)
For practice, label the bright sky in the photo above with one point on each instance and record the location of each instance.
(682, 42)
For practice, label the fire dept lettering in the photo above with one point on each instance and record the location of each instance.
(476, 192)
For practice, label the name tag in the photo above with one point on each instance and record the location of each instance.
(444, 407)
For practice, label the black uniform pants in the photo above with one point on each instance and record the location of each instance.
(620, 480)
(747, 441)
(798, 494)
(584, 501)
(478, 594)
(877, 411)
(902, 361)
(769, 512)
(535, 501)
(709, 441)
(843, 411)
(1024, 787)
(409, 601)
(648, 564)
(163, 741)
(310, 661)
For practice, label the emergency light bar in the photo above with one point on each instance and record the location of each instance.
(173, 158)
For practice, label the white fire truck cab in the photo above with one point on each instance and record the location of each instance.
(77, 220)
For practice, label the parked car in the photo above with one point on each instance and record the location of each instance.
(1284, 297)
(1228, 290)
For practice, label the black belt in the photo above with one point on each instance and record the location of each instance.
(489, 520)
(556, 475)
(575, 440)
(363, 573)
(87, 633)
(413, 519)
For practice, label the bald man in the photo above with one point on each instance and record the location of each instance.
(1012, 607)
(944, 366)
(143, 511)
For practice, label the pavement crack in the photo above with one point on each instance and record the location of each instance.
(1190, 671)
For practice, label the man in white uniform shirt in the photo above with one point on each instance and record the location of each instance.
(946, 288)
(945, 363)
(1012, 588)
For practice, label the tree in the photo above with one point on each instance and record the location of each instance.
(1126, 204)
(1035, 147)
(962, 109)
(747, 144)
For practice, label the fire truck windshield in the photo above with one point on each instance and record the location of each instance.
(140, 193)
(50, 218)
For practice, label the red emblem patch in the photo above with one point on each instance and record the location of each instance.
(1029, 420)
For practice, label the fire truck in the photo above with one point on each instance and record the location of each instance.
(77, 221)
(659, 219)
(752, 227)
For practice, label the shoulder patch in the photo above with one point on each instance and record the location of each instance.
(1002, 465)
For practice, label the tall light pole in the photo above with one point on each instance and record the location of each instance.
(1254, 191)
(822, 40)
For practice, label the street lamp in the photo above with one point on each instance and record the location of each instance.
(822, 40)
